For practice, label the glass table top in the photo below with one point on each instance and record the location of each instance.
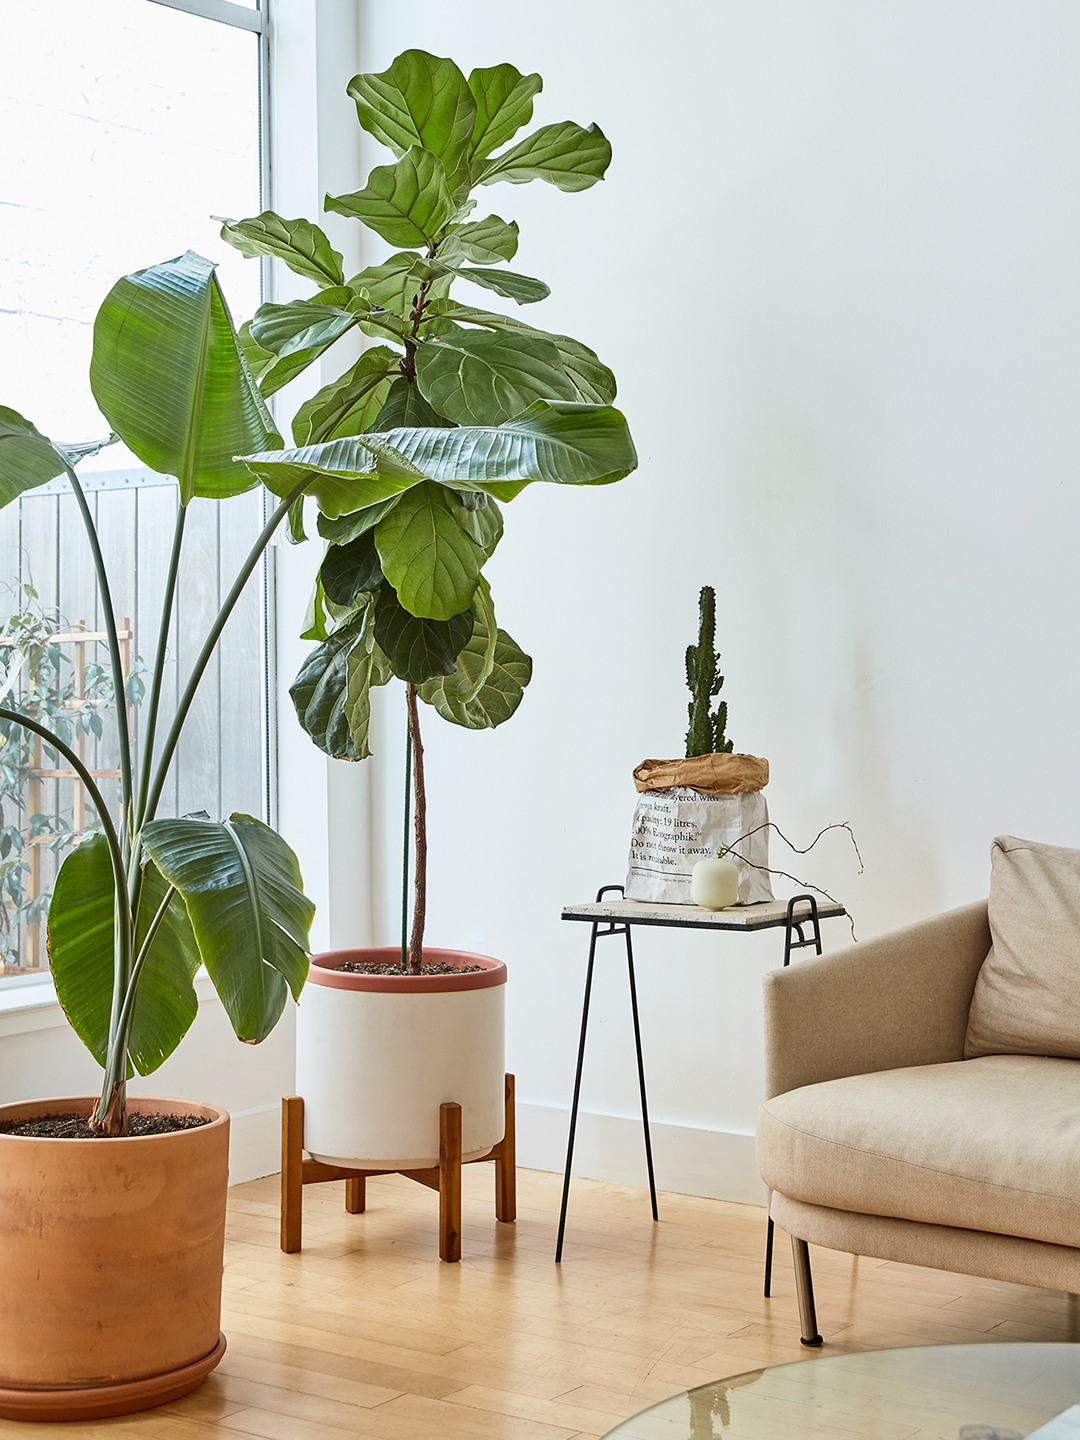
(935, 1392)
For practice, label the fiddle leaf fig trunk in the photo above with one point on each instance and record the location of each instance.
(411, 453)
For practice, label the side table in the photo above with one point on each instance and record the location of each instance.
(617, 918)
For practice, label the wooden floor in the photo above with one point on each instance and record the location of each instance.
(366, 1334)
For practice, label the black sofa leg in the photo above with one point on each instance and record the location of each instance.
(804, 1289)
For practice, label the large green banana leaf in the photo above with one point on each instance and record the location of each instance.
(80, 938)
(242, 888)
(567, 444)
(27, 458)
(169, 376)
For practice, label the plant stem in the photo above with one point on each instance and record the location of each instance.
(405, 853)
(111, 837)
(147, 757)
(109, 1114)
(123, 734)
(184, 705)
(416, 941)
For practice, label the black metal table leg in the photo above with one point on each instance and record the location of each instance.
(641, 1075)
(577, 1093)
(611, 928)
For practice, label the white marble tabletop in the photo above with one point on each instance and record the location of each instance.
(764, 916)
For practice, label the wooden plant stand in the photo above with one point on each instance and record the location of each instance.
(296, 1172)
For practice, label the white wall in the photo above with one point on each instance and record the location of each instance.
(834, 267)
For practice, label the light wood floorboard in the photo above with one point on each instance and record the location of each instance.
(366, 1335)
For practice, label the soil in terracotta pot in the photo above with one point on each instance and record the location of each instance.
(368, 967)
(77, 1127)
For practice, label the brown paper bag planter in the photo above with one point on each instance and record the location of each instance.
(711, 774)
(687, 810)
(110, 1263)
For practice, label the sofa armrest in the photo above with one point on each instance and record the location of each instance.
(901, 999)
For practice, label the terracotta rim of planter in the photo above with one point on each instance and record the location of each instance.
(324, 971)
(84, 1105)
(98, 1402)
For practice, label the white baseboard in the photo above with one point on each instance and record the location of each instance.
(714, 1163)
(254, 1142)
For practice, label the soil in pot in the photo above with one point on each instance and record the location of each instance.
(77, 1127)
(369, 967)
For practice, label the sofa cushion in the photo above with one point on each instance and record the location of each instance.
(1027, 995)
(990, 1144)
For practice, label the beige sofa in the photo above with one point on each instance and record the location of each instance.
(878, 1136)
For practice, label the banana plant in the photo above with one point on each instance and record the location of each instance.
(410, 453)
(140, 905)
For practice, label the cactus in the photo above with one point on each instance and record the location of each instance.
(706, 733)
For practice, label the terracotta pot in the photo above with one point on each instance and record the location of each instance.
(110, 1263)
(376, 1055)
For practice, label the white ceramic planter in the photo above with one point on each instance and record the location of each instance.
(376, 1055)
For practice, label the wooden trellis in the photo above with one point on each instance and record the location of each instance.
(35, 956)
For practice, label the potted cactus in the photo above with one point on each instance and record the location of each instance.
(414, 451)
(110, 1292)
(690, 810)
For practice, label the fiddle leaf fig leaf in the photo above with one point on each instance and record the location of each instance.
(405, 407)
(483, 521)
(503, 105)
(395, 284)
(498, 695)
(416, 647)
(485, 242)
(348, 527)
(170, 377)
(348, 406)
(350, 570)
(319, 691)
(302, 246)
(478, 377)
(566, 155)
(365, 667)
(421, 100)
(593, 381)
(27, 458)
(407, 203)
(522, 288)
(427, 554)
(304, 324)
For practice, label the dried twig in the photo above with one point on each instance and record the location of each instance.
(768, 825)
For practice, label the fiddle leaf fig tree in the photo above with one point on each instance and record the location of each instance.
(447, 416)
(138, 907)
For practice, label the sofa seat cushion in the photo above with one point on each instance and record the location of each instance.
(989, 1144)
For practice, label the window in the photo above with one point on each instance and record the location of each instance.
(128, 125)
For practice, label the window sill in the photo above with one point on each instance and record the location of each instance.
(35, 1007)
